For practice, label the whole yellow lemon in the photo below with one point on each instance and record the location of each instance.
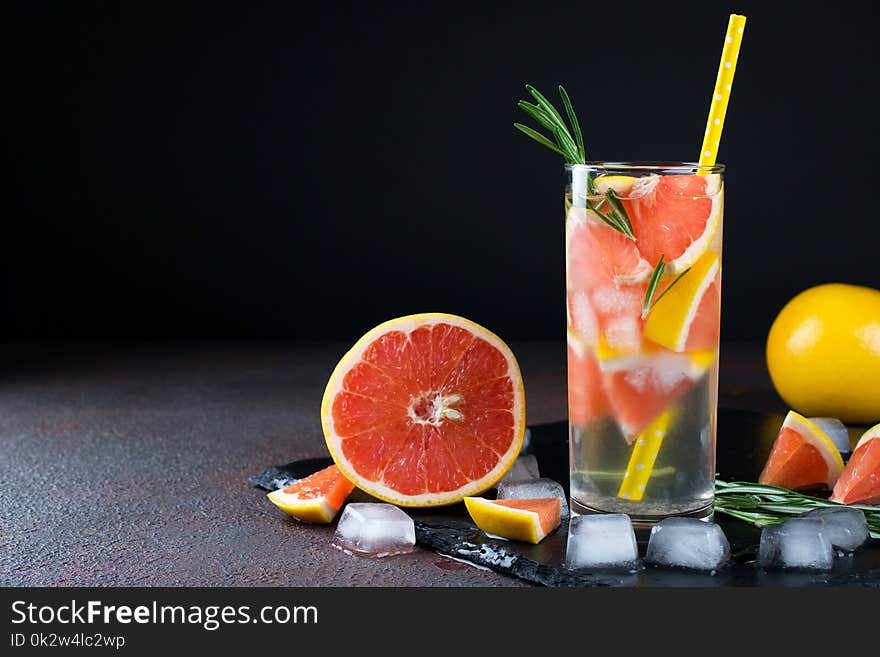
(823, 352)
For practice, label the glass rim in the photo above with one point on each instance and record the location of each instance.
(649, 165)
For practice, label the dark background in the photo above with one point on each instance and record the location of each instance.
(278, 170)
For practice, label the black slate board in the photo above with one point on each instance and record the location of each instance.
(744, 440)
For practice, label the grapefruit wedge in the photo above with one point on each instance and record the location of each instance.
(316, 498)
(425, 410)
(802, 457)
(587, 401)
(860, 481)
(676, 216)
(519, 520)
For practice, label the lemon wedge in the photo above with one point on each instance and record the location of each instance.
(670, 319)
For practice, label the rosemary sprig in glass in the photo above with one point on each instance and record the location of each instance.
(571, 147)
(654, 281)
(762, 505)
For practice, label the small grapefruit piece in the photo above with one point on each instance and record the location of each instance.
(675, 216)
(641, 387)
(691, 305)
(519, 520)
(587, 401)
(316, 498)
(860, 481)
(425, 410)
(598, 254)
(802, 457)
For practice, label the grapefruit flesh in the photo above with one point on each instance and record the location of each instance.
(598, 254)
(803, 457)
(519, 520)
(425, 410)
(587, 400)
(675, 216)
(316, 498)
(860, 481)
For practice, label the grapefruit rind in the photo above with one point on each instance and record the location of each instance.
(814, 436)
(408, 324)
(509, 522)
(870, 434)
(860, 481)
(315, 510)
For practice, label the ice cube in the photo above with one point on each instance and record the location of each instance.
(624, 334)
(836, 430)
(601, 541)
(688, 543)
(532, 489)
(525, 468)
(374, 530)
(797, 544)
(583, 319)
(845, 528)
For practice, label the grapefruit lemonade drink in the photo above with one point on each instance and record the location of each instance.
(643, 305)
(643, 298)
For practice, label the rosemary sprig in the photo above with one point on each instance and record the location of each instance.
(571, 147)
(649, 302)
(762, 505)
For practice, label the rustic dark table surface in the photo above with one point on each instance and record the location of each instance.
(126, 465)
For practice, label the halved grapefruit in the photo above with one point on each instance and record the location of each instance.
(425, 410)
(860, 481)
(676, 216)
(316, 498)
(587, 401)
(802, 457)
(518, 520)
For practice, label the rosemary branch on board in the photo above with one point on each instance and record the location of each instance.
(760, 504)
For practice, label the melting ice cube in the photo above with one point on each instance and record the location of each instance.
(524, 469)
(836, 430)
(601, 541)
(797, 544)
(688, 543)
(533, 489)
(374, 530)
(845, 528)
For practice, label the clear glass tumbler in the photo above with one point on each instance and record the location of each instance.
(643, 284)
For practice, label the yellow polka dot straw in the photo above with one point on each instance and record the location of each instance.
(723, 86)
(641, 462)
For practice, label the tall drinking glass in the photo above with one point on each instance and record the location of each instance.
(643, 283)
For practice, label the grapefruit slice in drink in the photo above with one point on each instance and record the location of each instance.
(587, 401)
(641, 387)
(860, 481)
(597, 254)
(519, 520)
(425, 410)
(316, 498)
(803, 457)
(676, 216)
